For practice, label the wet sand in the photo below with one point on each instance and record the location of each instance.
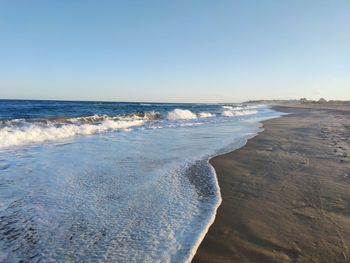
(286, 194)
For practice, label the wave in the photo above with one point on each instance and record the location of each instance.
(231, 111)
(232, 108)
(205, 115)
(17, 132)
(148, 115)
(179, 114)
(26, 132)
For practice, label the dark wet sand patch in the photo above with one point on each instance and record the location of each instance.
(286, 194)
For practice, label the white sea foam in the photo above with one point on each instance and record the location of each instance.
(27, 133)
(179, 114)
(232, 113)
(210, 219)
(232, 108)
(205, 115)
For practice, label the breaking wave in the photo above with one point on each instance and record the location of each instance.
(17, 132)
(230, 111)
(27, 133)
(205, 115)
(179, 114)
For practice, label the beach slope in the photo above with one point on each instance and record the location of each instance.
(286, 194)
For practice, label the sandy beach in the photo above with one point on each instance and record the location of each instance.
(286, 194)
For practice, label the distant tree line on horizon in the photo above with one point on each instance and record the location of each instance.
(301, 101)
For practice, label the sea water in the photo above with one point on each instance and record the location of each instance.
(113, 182)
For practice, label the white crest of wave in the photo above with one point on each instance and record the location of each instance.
(179, 114)
(232, 108)
(32, 132)
(205, 115)
(232, 113)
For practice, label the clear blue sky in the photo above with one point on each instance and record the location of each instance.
(178, 50)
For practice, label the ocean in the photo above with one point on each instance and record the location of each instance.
(113, 181)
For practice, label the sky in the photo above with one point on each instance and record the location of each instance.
(174, 50)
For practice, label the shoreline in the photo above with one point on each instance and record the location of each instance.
(238, 236)
(211, 220)
(240, 144)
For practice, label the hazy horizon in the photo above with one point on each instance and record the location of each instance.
(177, 52)
(162, 102)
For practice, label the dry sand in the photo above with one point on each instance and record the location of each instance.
(286, 194)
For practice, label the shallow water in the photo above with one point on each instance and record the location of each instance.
(141, 195)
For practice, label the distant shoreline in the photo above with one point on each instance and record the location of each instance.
(283, 192)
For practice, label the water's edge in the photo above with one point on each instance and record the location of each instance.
(211, 221)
